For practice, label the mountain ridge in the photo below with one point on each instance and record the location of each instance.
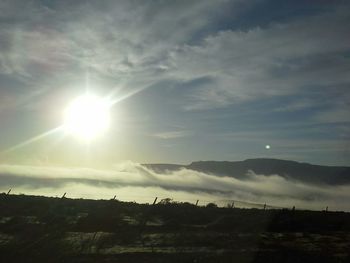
(290, 170)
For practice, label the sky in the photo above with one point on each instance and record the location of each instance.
(189, 80)
(194, 80)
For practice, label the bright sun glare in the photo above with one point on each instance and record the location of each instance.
(87, 117)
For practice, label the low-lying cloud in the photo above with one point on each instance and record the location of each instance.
(134, 182)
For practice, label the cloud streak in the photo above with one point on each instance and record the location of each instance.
(173, 134)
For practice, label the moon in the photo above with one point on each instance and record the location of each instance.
(267, 147)
(87, 117)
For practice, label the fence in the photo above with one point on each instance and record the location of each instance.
(149, 199)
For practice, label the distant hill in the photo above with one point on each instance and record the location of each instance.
(291, 170)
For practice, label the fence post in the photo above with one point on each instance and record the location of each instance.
(63, 196)
(155, 200)
(197, 202)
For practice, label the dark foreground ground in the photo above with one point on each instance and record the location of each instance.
(42, 229)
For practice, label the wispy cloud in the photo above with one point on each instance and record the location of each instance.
(131, 44)
(173, 134)
(282, 59)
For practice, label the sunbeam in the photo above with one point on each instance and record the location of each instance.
(32, 140)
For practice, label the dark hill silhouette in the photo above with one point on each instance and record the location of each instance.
(291, 170)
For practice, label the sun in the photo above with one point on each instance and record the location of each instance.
(87, 117)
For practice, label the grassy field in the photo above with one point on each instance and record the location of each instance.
(43, 229)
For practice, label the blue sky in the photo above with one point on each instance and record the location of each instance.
(211, 80)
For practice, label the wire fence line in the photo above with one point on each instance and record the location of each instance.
(148, 199)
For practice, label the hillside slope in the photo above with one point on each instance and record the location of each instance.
(291, 170)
